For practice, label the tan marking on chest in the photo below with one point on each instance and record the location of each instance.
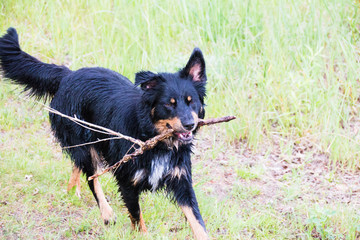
(177, 172)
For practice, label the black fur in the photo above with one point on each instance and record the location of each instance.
(40, 78)
(108, 99)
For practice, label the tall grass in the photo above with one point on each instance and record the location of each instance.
(286, 68)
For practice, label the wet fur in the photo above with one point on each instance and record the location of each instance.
(141, 110)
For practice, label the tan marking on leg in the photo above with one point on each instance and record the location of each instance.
(152, 112)
(94, 157)
(75, 181)
(140, 226)
(177, 172)
(107, 214)
(133, 222)
(196, 227)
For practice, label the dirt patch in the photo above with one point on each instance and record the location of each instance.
(305, 164)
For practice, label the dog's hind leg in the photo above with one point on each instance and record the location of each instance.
(86, 161)
(75, 181)
(107, 214)
(85, 158)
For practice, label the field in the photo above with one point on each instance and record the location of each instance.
(287, 168)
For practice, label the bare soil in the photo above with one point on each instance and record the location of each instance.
(318, 179)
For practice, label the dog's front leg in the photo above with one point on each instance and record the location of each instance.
(130, 196)
(197, 225)
(185, 197)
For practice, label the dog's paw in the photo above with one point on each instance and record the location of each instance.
(108, 216)
(78, 192)
(74, 190)
(111, 221)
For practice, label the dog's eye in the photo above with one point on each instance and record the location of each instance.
(188, 99)
(172, 103)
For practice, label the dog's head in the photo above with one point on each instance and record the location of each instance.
(176, 100)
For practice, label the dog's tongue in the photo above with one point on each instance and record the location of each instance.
(185, 136)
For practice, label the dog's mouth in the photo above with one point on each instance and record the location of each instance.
(181, 135)
(184, 137)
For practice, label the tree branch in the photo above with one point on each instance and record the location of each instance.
(95, 127)
(143, 146)
(152, 142)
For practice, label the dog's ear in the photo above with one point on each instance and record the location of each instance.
(151, 84)
(195, 68)
(147, 80)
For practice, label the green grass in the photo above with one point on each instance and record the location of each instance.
(289, 70)
(285, 67)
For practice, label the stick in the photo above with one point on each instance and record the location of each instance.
(95, 127)
(151, 143)
(90, 143)
(143, 146)
(212, 121)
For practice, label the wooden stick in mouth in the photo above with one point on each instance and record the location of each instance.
(143, 146)
(152, 142)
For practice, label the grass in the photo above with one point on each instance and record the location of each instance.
(285, 67)
(289, 70)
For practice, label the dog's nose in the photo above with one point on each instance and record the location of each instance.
(189, 126)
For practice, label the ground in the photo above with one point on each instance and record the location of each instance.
(287, 168)
(284, 181)
(242, 194)
(319, 180)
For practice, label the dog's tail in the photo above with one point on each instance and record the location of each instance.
(41, 79)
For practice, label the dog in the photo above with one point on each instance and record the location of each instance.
(155, 103)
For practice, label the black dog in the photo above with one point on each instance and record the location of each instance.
(106, 98)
